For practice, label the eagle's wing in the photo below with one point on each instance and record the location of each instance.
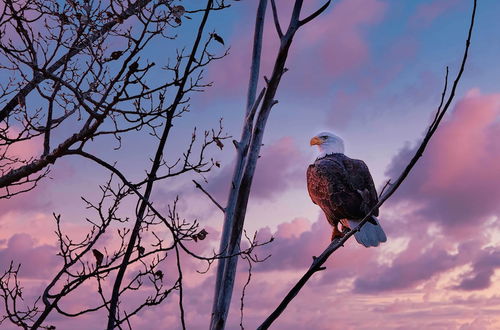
(329, 187)
(316, 185)
(361, 179)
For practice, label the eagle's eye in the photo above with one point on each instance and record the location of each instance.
(324, 137)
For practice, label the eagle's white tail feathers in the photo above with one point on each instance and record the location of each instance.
(370, 234)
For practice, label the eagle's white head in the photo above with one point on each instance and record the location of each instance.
(328, 143)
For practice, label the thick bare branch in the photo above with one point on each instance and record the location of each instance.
(256, 51)
(241, 151)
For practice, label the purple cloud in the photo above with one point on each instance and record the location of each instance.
(404, 274)
(36, 261)
(483, 269)
(280, 167)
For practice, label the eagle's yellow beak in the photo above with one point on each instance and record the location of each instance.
(316, 141)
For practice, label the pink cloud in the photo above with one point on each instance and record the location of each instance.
(455, 183)
(294, 228)
(296, 241)
(39, 262)
(230, 75)
(22, 150)
(34, 224)
(25, 149)
(339, 36)
(426, 258)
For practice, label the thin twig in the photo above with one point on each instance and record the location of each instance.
(181, 292)
(242, 299)
(276, 19)
(315, 14)
(443, 94)
(209, 196)
(387, 184)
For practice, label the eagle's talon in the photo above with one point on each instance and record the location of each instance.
(336, 233)
(345, 225)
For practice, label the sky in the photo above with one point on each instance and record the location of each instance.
(372, 71)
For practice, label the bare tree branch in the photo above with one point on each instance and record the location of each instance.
(315, 14)
(91, 89)
(38, 77)
(276, 19)
(152, 174)
(243, 177)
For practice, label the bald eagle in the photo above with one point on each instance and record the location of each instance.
(343, 188)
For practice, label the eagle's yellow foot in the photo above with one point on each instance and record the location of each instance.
(336, 233)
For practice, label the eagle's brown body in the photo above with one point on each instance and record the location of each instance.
(342, 187)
